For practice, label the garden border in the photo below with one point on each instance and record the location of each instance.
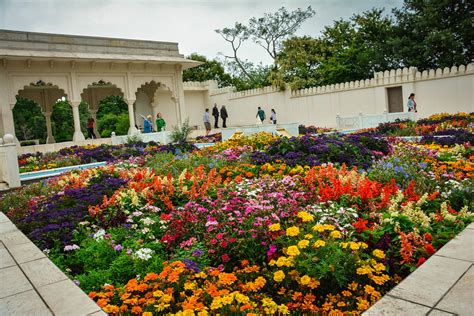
(32, 284)
(443, 285)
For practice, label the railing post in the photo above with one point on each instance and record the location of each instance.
(9, 170)
(361, 120)
(338, 121)
(385, 115)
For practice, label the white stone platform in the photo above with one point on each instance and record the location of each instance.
(30, 284)
(443, 285)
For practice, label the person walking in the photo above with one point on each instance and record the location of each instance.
(207, 123)
(160, 123)
(147, 125)
(215, 113)
(260, 115)
(273, 117)
(90, 128)
(411, 103)
(224, 116)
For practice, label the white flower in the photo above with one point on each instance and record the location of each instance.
(99, 235)
(143, 254)
(71, 247)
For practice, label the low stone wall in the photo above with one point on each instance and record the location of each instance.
(45, 148)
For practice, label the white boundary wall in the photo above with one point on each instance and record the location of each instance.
(442, 90)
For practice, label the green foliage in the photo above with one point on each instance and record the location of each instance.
(109, 123)
(210, 70)
(434, 34)
(181, 134)
(30, 122)
(62, 122)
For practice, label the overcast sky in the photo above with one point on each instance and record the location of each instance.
(191, 23)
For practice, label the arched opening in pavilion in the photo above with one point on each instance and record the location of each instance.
(153, 98)
(45, 95)
(105, 104)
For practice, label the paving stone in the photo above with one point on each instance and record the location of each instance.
(427, 284)
(393, 306)
(26, 303)
(5, 259)
(65, 298)
(460, 247)
(13, 281)
(460, 299)
(2, 246)
(6, 227)
(42, 272)
(13, 238)
(470, 226)
(437, 312)
(26, 252)
(3, 218)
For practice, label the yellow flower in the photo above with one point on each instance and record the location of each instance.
(293, 251)
(305, 217)
(303, 244)
(147, 314)
(378, 253)
(279, 276)
(335, 234)
(328, 227)
(308, 236)
(354, 245)
(319, 243)
(305, 279)
(318, 228)
(275, 227)
(292, 231)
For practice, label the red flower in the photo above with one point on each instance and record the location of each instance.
(223, 244)
(360, 225)
(225, 258)
(420, 261)
(429, 249)
(428, 237)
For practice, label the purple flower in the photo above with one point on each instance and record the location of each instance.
(197, 253)
(118, 248)
(76, 282)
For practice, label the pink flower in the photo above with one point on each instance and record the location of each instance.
(225, 258)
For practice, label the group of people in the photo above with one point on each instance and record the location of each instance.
(261, 116)
(148, 125)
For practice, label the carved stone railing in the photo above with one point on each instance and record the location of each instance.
(368, 121)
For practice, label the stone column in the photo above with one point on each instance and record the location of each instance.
(179, 95)
(78, 136)
(132, 130)
(50, 138)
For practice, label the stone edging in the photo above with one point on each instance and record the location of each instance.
(31, 284)
(443, 285)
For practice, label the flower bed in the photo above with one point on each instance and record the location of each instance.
(220, 231)
(76, 155)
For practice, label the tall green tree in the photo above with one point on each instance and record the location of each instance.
(62, 122)
(347, 50)
(435, 33)
(211, 69)
(112, 116)
(30, 122)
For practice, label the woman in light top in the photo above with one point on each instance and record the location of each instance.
(411, 103)
(273, 117)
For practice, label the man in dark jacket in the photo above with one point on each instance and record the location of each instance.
(215, 113)
(224, 116)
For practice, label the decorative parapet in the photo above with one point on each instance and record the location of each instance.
(200, 85)
(223, 90)
(253, 92)
(394, 76)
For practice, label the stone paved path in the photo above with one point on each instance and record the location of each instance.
(30, 284)
(443, 285)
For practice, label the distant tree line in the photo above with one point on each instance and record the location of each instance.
(422, 33)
